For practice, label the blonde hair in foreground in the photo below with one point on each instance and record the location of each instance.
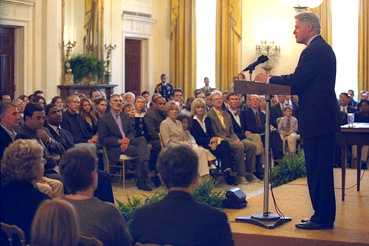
(55, 223)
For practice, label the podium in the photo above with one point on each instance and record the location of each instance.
(265, 219)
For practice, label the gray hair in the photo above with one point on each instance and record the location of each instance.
(310, 18)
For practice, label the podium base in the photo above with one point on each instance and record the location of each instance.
(269, 220)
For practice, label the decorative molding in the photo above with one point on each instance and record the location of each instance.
(19, 2)
(16, 10)
(137, 25)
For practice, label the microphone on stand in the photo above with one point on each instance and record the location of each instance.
(251, 67)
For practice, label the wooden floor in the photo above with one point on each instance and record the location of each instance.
(352, 218)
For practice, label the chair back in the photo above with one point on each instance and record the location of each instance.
(13, 235)
(89, 241)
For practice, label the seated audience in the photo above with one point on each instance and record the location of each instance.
(9, 122)
(363, 116)
(117, 135)
(178, 219)
(287, 127)
(154, 116)
(100, 105)
(53, 120)
(172, 133)
(128, 98)
(55, 224)
(6, 99)
(89, 118)
(352, 102)
(73, 122)
(58, 102)
(178, 98)
(21, 167)
(344, 101)
(243, 152)
(201, 129)
(96, 218)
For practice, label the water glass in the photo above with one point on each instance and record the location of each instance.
(350, 119)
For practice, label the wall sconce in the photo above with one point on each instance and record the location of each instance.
(68, 76)
(271, 50)
(304, 5)
(108, 48)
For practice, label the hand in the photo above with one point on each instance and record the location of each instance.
(42, 134)
(93, 140)
(124, 144)
(261, 78)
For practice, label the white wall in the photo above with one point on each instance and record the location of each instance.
(269, 20)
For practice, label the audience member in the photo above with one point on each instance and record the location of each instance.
(101, 106)
(55, 223)
(287, 127)
(206, 88)
(243, 152)
(6, 99)
(128, 98)
(73, 122)
(183, 221)
(89, 119)
(21, 168)
(58, 102)
(351, 95)
(117, 135)
(344, 101)
(53, 120)
(9, 121)
(164, 88)
(96, 218)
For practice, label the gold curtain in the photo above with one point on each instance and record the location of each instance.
(363, 70)
(325, 14)
(228, 42)
(183, 45)
(93, 40)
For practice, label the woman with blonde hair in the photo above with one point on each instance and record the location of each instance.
(89, 117)
(55, 223)
(21, 167)
(172, 133)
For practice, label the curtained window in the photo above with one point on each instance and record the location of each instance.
(205, 41)
(345, 22)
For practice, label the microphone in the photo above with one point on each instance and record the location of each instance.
(251, 67)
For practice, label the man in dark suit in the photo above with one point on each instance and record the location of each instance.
(9, 121)
(53, 120)
(314, 81)
(117, 135)
(178, 219)
(344, 103)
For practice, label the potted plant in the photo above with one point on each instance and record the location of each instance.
(87, 68)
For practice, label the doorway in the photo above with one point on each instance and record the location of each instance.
(133, 51)
(7, 57)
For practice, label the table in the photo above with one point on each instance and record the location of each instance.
(356, 135)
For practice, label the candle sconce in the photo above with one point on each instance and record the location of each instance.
(271, 50)
(68, 76)
(108, 48)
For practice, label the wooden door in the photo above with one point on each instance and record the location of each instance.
(133, 65)
(7, 54)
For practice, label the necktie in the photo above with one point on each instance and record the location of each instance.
(257, 117)
(119, 123)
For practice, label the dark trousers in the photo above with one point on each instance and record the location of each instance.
(319, 155)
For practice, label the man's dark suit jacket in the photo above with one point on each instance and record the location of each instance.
(153, 118)
(275, 113)
(250, 118)
(109, 134)
(313, 81)
(19, 202)
(64, 136)
(75, 125)
(179, 220)
(239, 129)
(5, 140)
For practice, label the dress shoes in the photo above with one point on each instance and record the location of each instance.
(311, 225)
(144, 186)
